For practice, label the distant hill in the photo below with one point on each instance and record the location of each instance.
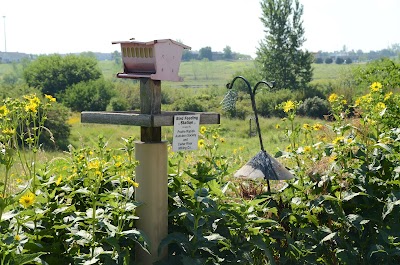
(9, 57)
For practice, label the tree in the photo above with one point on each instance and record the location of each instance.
(339, 60)
(116, 56)
(319, 60)
(188, 55)
(279, 56)
(52, 74)
(205, 53)
(228, 53)
(328, 60)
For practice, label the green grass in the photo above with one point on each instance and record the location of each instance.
(234, 132)
(325, 73)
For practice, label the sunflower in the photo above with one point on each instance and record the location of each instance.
(27, 200)
(203, 129)
(200, 143)
(333, 97)
(50, 98)
(288, 106)
(376, 86)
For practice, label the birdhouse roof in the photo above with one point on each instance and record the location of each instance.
(153, 42)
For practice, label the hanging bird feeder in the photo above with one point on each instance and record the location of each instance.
(262, 165)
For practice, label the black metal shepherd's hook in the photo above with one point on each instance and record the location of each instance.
(262, 165)
(252, 93)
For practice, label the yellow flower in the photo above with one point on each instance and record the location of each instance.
(333, 97)
(17, 237)
(358, 102)
(58, 181)
(277, 126)
(203, 129)
(376, 86)
(31, 107)
(338, 139)
(388, 95)
(200, 143)
(307, 149)
(306, 126)
(288, 106)
(380, 106)
(27, 200)
(317, 127)
(118, 164)
(3, 111)
(215, 135)
(222, 140)
(367, 98)
(7, 131)
(95, 164)
(50, 98)
(133, 183)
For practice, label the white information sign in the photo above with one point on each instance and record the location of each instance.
(186, 132)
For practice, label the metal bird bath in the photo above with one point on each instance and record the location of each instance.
(262, 165)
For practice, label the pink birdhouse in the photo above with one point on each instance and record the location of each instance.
(157, 60)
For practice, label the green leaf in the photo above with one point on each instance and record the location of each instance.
(350, 195)
(328, 237)
(139, 237)
(261, 244)
(388, 208)
(357, 221)
(384, 146)
(214, 237)
(179, 238)
(92, 261)
(8, 215)
(21, 259)
(375, 249)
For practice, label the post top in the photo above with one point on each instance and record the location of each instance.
(153, 42)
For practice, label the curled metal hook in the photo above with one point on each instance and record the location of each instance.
(252, 93)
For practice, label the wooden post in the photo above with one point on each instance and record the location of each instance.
(152, 176)
(150, 103)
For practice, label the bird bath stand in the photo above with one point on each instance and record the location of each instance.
(262, 165)
(150, 62)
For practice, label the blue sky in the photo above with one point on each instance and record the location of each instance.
(49, 26)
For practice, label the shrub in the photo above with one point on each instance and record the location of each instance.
(118, 104)
(189, 104)
(328, 60)
(267, 102)
(93, 95)
(52, 74)
(314, 107)
(385, 70)
(57, 135)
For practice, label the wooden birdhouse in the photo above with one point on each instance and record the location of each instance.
(157, 60)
